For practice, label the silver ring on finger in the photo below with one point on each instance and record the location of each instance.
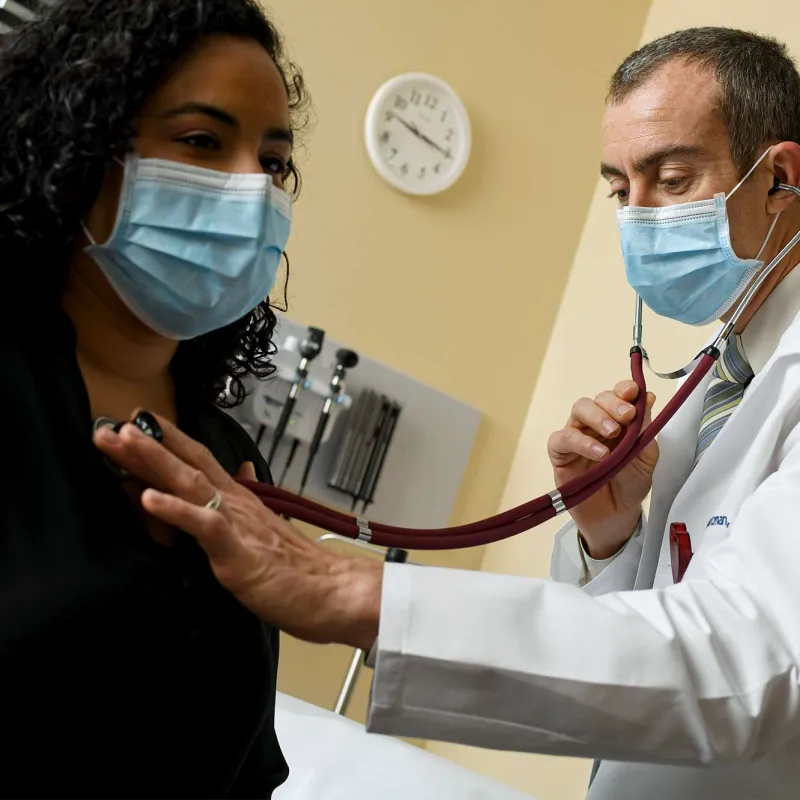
(215, 502)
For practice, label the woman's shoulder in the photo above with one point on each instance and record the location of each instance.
(230, 443)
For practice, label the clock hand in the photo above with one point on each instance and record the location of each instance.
(433, 144)
(413, 128)
(416, 131)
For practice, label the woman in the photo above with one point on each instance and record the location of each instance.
(145, 146)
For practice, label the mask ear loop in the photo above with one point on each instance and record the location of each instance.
(774, 189)
(769, 232)
(89, 236)
(84, 227)
(747, 174)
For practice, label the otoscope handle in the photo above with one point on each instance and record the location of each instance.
(280, 428)
(319, 432)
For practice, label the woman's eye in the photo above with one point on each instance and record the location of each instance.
(275, 166)
(203, 141)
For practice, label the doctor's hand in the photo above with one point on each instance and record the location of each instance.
(266, 563)
(608, 518)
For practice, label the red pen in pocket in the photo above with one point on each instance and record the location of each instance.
(680, 548)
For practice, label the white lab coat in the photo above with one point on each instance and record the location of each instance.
(697, 682)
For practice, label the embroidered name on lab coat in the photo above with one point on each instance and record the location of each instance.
(718, 521)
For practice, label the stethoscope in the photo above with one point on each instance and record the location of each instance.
(570, 494)
(547, 506)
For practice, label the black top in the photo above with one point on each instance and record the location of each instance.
(125, 669)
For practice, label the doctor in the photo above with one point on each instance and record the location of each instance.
(687, 690)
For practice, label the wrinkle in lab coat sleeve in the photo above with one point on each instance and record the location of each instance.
(569, 562)
(701, 672)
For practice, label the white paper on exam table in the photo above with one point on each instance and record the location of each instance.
(333, 758)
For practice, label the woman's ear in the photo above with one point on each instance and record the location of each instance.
(786, 166)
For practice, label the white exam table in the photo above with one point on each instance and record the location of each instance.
(334, 758)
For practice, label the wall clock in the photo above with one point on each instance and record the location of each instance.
(418, 134)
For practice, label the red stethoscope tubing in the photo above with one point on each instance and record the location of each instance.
(515, 520)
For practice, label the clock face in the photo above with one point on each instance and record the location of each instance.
(418, 134)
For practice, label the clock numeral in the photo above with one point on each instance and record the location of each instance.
(400, 102)
(385, 137)
(415, 97)
(392, 154)
(404, 169)
(389, 116)
(437, 169)
(450, 134)
(431, 102)
(444, 116)
(421, 173)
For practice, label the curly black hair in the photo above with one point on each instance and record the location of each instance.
(71, 82)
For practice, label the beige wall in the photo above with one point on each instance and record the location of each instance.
(587, 353)
(450, 289)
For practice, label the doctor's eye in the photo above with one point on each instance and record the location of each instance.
(203, 141)
(671, 184)
(619, 194)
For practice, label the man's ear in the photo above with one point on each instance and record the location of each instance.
(785, 159)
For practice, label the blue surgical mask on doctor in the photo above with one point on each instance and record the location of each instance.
(193, 249)
(679, 258)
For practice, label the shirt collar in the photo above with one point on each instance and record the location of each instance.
(764, 331)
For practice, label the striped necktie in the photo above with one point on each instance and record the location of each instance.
(731, 376)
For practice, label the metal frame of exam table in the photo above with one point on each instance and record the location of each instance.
(357, 661)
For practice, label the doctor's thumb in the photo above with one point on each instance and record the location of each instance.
(648, 410)
(649, 456)
(247, 472)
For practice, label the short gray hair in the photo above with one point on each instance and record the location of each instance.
(758, 81)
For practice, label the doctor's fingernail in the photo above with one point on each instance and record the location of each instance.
(609, 427)
(599, 450)
(623, 409)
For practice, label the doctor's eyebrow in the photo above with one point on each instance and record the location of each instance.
(278, 134)
(653, 159)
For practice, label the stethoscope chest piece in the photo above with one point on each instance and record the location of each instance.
(144, 421)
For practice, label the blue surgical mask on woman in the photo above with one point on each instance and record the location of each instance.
(193, 249)
(679, 258)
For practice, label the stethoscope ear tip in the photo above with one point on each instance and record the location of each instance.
(777, 186)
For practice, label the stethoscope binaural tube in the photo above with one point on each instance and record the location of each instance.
(570, 494)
